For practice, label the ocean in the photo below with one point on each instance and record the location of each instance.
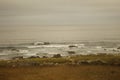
(22, 34)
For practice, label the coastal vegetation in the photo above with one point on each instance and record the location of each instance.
(57, 59)
(75, 67)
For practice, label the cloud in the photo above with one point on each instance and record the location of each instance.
(59, 12)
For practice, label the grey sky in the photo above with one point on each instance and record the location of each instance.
(59, 12)
(15, 15)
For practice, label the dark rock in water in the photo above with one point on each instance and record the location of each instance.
(46, 43)
(118, 48)
(71, 52)
(72, 46)
(34, 57)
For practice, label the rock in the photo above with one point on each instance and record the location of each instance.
(71, 52)
(57, 56)
(34, 57)
(72, 46)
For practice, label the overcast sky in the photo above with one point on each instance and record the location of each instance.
(28, 19)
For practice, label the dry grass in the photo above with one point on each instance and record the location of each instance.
(61, 72)
(40, 68)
